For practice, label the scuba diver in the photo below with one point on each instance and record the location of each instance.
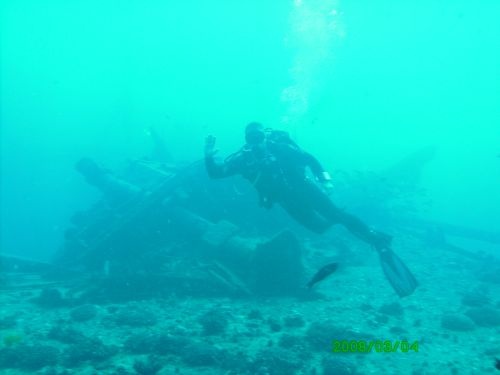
(276, 166)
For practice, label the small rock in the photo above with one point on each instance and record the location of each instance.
(160, 344)
(134, 317)
(475, 299)
(255, 314)
(381, 319)
(398, 331)
(456, 322)
(485, 316)
(150, 366)
(288, 341)
(83, 313)
(214, 322)
(50, 298)
(366, 307)
(294, 321)
(8, 322)
(274, 324)
(392, 309)
(66, 335)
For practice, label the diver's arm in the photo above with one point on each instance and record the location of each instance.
(318, 171)
(316, 168)
(214, 169)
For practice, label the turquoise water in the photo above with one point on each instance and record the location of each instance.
(361, 85)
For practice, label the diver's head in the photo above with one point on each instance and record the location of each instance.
(254, 133)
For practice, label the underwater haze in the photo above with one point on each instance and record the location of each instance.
(360, 84)
(398, 100)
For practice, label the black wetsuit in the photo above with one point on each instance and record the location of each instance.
(278, 172)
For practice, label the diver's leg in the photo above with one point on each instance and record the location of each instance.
(324, 206)
(305, 215)
(358, 228)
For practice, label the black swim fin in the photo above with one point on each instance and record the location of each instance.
(396, 272)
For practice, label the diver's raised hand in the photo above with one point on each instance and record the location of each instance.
(210, 149)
